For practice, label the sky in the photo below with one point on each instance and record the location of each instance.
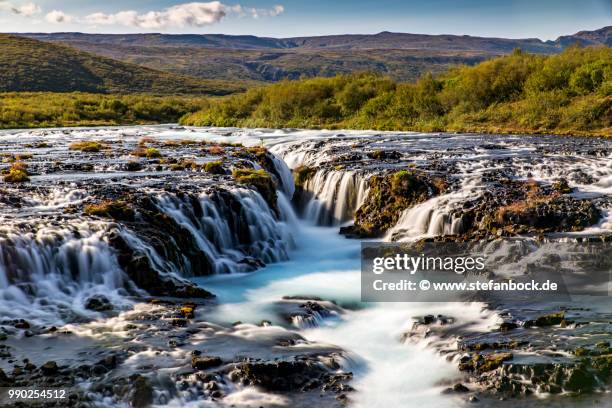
(544, 19)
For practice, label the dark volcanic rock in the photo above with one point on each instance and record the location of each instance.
(389, 195)
(281, 375)
(205, 362)
(98, 303)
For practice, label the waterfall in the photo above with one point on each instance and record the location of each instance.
(285, 175)
(228, 237)
(335, 195)
(51, 269)
(51, 265)
(431, 218)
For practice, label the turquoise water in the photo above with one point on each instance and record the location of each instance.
(388, 372)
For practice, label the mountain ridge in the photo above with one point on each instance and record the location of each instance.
(30, 65)
(390, 40)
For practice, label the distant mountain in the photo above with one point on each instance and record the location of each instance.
(381, 41)
(603, 36)
(31, 65)
(215, 56)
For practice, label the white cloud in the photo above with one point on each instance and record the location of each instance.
(181, 15)
(195, 14)
(58, 17)
(26, 10)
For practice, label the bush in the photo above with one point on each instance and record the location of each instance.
(47, 109)
(518, 93)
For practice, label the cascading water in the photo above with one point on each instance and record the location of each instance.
(333, 196)
(50, 266)
(52, 258)
(49, 269)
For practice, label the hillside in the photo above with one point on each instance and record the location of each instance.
(31, 65)
(404, 57)
(384, 40)
(567, 93)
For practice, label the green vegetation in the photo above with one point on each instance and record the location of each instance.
(18, 173)
(88, 146)
(149, 153)
(568, 93)
(550, 319)
(301, 174)
(261, 180)
(117, 210)
(31, 65)
(214, 167)
(26, 109)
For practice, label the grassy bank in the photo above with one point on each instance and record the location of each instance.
(44, 109)
(568, 93)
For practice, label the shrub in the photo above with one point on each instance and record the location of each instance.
(519, 93)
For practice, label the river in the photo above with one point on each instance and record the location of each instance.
(53, 261)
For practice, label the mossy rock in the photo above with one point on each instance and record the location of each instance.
(117, 210)
(214, 167)
(149, 153)
(302, 174)
(260, 180)
(580, 380)
(133, 165)
(16, 176)
(561, 186)
(88, 146)
(493, 361)
(550, 319)
(389, 195)
(141, 393)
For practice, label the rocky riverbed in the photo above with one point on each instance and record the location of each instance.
(166, 266)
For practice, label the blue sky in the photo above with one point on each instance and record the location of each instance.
(545, 19)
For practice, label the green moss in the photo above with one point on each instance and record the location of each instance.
(16, 176)
(88, 146)
(581, 352)
(152, 153)
(149, 153)
(550, 319)
(214, 167)
(388, 196)
(561, 186)
(261, 180)
(302, 174)
(118, 210)
(494, 361)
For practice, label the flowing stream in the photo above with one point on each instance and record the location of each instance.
(59, 265)
(326, 265)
